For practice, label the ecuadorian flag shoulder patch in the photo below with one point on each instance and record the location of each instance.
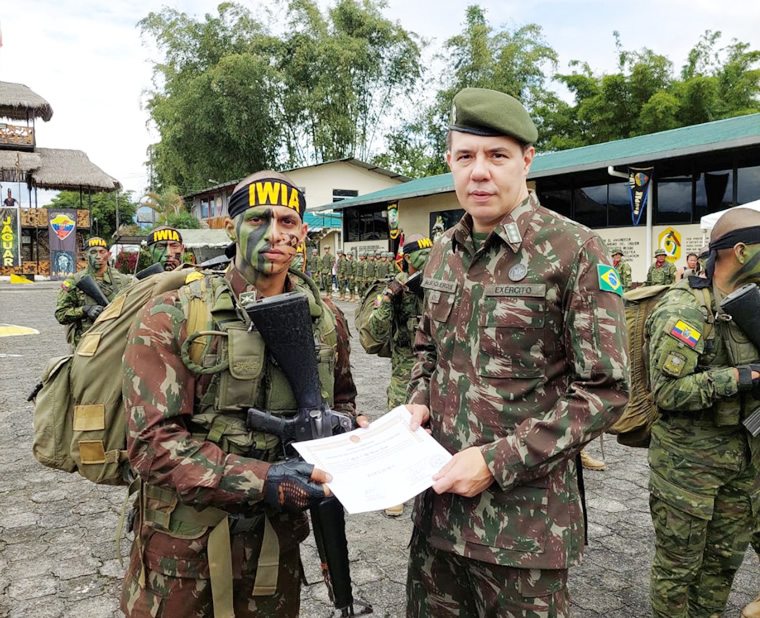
(609, 279)
(686, 334)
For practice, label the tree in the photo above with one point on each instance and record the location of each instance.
(102, 207)
(230, 98)
(171, 209)
(516, 61)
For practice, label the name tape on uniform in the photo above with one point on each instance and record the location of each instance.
(512, 289)
(439, 285)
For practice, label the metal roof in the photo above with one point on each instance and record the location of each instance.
(710, 136)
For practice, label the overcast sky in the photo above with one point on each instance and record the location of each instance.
(86, 57)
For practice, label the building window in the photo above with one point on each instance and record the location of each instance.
(365, 224)
(619, 204)
(748, 184)
(560, 201)
(673, 200)
(205, 209)
(713, 192)
(442, 220)
(343, 194)
(591, 206)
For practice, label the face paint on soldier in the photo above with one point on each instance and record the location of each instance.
(748, 268)
(267, 237)
(169, 254)
(97, 260)
(489, 175)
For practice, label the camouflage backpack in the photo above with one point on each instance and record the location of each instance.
(371, 296)
(79, 418)
(633, 428)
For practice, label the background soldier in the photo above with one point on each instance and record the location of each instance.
(315, 266)
(163, 246)
(514, 296)
(202, 470)
(351, 277)
(661, 272)
(622, 267)
(326, 268)
(705, 467)
(341, 272)
(76, 309)
(395, 319)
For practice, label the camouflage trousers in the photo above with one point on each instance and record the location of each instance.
(326, 280)
(703, 517)
(167, 596)
(397, 391)
(441, 584)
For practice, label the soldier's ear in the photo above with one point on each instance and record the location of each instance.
(229, 227)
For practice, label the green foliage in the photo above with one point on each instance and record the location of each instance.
(171, 209)
(230, 98)
(102, 206)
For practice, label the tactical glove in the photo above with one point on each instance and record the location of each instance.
(93, 311)
(288, 486)
(395, 288)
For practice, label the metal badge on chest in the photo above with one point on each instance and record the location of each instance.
(518, 272)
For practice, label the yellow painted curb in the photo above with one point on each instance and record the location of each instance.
(12, 330)
(18, 279)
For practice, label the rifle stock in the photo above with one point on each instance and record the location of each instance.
(88, 285)
(153, 269)
(284, 323)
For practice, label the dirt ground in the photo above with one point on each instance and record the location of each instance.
(57, 552)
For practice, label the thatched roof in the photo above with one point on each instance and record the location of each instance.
(70, 169)
(19, 102)
(54, 168)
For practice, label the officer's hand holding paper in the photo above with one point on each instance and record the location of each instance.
(380, 466)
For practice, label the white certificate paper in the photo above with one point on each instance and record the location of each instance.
(380, 466)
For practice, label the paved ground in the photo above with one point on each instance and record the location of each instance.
(57, 553)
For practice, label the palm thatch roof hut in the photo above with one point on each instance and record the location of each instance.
(54, 168)
(19, 102)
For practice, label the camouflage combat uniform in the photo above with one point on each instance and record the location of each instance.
(704, 482)
(661, 275)
(326, 266)
(624, 270)
(69, 309)
(342, 273)
(188, 442)
(523, 355)
(396, 320)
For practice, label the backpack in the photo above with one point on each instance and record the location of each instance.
(79, 418)
(361, 317)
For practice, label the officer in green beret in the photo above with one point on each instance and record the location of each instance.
(506, 379)
(661, 272)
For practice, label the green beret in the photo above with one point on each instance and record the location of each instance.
(659, 252)
(489, 113)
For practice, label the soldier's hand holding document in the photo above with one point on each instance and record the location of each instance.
(379, 466)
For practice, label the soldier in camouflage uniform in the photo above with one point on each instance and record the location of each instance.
(326, 268)
(350, 277)
(74, 308)
(315, 265)
(622, 267)
(661, 272)
(705, 467)
(341, 272)
(162, 246)
(520, 362)
(220, 514)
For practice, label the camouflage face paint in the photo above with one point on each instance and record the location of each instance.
(97, 260)
(749, 272)
(253, 228)
(158, 253)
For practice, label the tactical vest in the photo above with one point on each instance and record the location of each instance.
(725, 345)
(241, 377)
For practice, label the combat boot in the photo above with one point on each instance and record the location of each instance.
(589, 463)
(752, 610)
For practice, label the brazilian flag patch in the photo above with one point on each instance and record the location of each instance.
(609, 279)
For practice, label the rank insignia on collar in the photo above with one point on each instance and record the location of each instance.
(686, 333)
(513, 232)
(609, 280)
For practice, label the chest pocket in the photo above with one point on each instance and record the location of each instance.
(239, 385)
(512, 337)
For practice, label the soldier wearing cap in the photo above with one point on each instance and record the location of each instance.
(220, 518)
(507, 378)
(622, 267)
(341, 273)
(163, 246)
(661, 272)
(326, 270)
(75, 308)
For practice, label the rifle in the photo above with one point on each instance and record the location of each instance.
(153, 269)
(284, 323)
(87, 285)
(743, 306)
